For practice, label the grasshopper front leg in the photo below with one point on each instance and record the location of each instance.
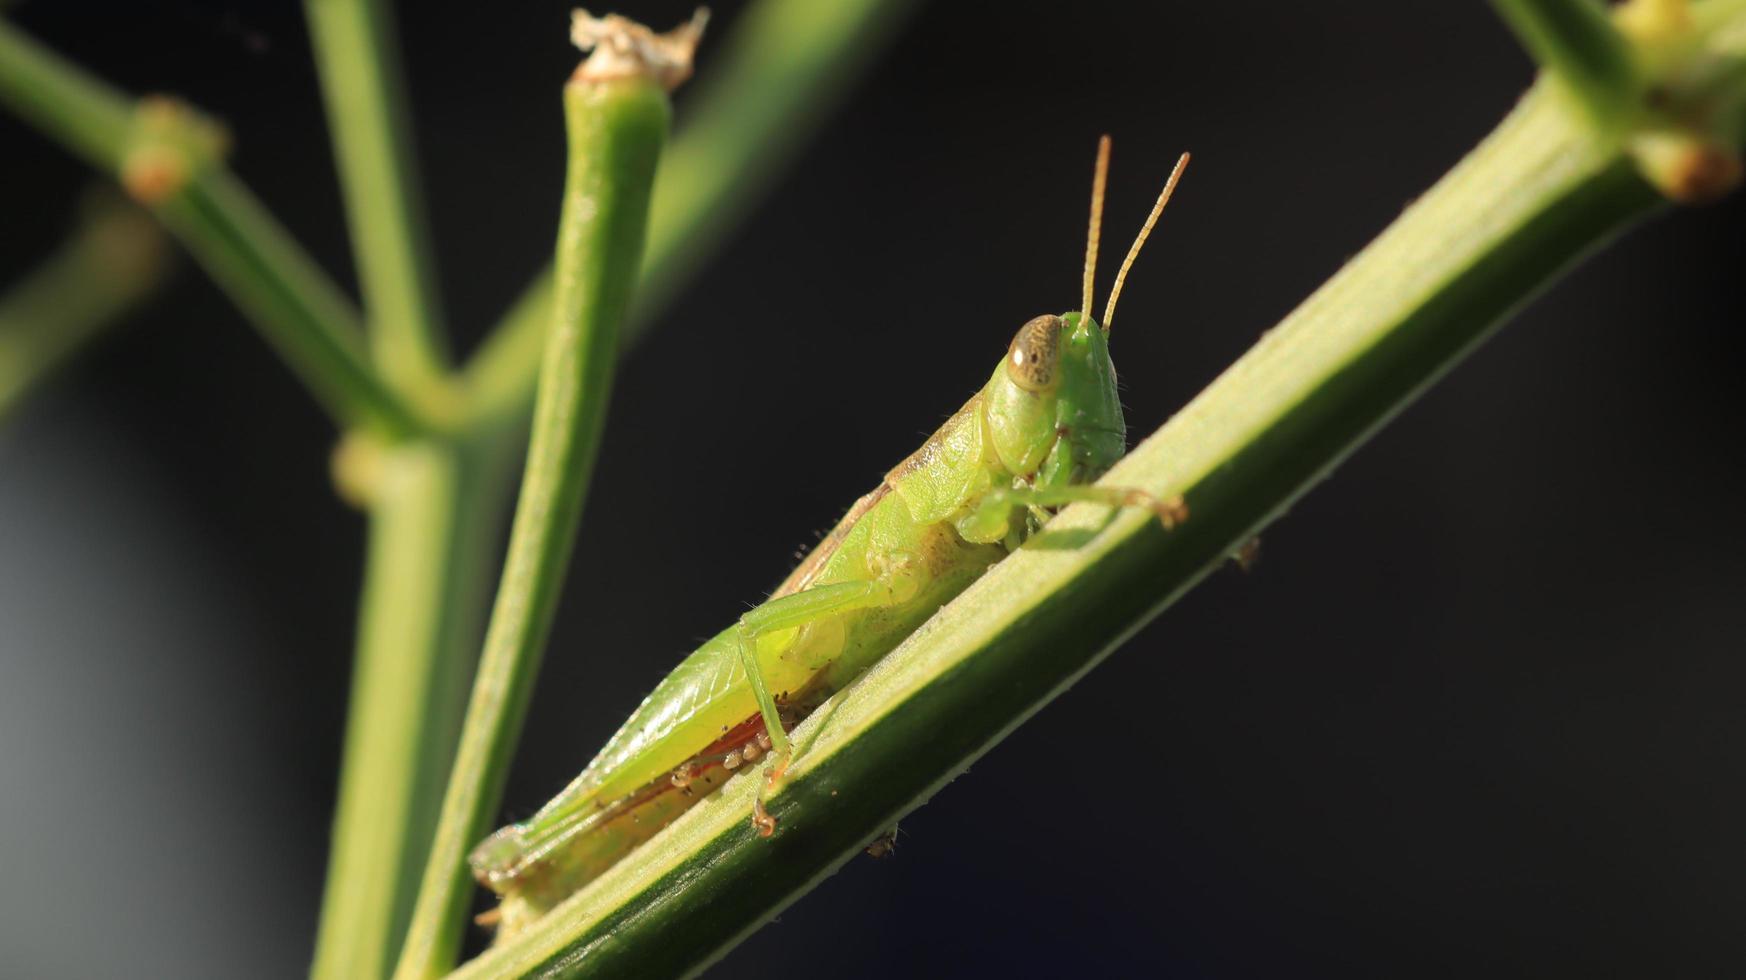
(792, 612)
(991, 517)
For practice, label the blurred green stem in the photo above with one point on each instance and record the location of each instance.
(166, 156)
(112, 261)
(371, 125)
(290, 300)
(91, 119)
(432, 538)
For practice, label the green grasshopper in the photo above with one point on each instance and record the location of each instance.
(1046, 425)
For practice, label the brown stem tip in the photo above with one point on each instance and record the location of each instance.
(623, 48)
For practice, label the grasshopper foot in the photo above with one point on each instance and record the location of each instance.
(761, 818)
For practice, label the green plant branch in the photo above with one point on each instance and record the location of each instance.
(1548, 186)
(112, 261)
(288, 298)
(88, 117)
(1577, 41)
(617, 122)
(165, 156)
(370, 122)
(784, 64)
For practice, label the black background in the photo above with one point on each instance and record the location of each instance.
(1478, 708)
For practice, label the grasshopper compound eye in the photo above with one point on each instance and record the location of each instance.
(1031, 360)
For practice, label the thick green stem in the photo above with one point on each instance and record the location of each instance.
(785, 63)
(1543, 190)
(616, 128)
(163, 153)
(432, 536)
(113, 260)
(371, 125)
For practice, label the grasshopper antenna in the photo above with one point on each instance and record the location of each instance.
(1134, 251)
(1099, 178)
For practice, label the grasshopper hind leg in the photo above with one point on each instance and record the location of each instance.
(792, 612)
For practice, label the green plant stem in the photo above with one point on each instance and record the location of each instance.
(288, 299)
(785, 63)
(88, 117)
(1540, 192)
(431, 540)
(1577, 41)
(371, 125)
(285, 295)
(112, 261)
(616, 129)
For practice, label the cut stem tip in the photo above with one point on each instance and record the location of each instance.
(622, 48)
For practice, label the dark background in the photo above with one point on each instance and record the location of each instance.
(1477, 710)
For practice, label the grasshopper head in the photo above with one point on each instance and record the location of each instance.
(496, 859)
(1056, 383)
(1057, 388)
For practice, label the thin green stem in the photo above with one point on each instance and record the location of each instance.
(114, 260)
(1542, 191)
(165, 156)
(1577, 41)
(88, 117)
(371, 124)
(616, 128)
(288, 299)
(784, 64)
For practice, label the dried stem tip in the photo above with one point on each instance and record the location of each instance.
(623, 48)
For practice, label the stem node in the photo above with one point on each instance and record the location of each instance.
(170, 143)
(1686, 169)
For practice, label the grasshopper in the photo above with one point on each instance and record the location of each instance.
(1045, 426)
